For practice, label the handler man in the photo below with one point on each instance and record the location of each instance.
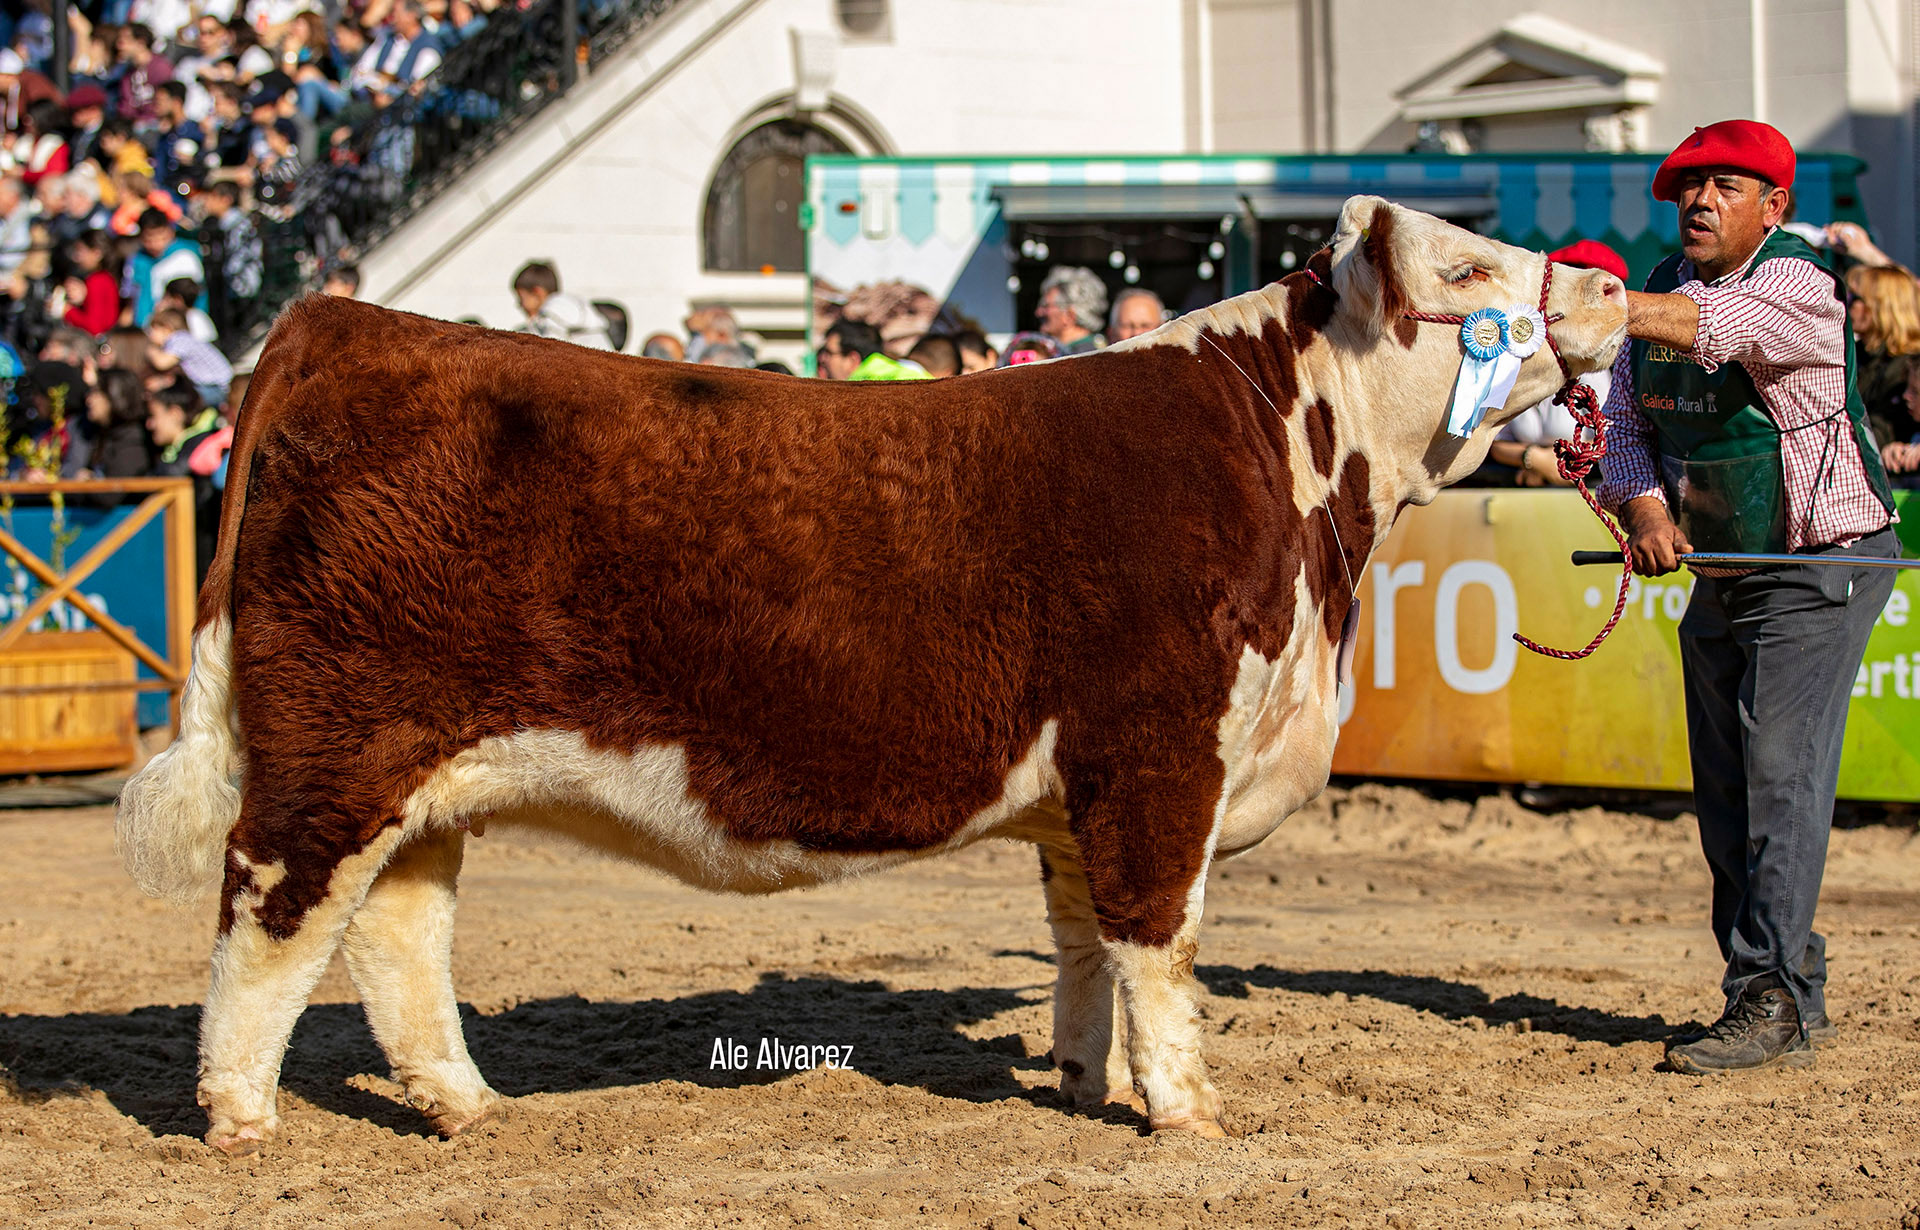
(1734, 426)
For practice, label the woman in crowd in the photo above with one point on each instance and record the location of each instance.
(92, 284)
(41, 148)
(117, 411)
(1885, 314)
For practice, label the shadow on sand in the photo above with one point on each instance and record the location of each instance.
(144, 1060)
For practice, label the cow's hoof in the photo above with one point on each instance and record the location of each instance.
(239, 1141)
(449, 1126)
(1126, 1098)
(1208, 1129)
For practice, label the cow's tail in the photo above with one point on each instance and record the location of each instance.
(174, 815)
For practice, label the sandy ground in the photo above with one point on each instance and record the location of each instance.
(1422, 1012)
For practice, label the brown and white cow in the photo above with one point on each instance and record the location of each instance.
(764, 632)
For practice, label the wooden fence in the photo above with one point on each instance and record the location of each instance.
(67, 699)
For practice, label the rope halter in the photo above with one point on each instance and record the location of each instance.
(1575, 457)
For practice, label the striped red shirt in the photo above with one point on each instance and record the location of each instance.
(1786, 327)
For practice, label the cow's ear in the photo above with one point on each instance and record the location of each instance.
(1365, 272)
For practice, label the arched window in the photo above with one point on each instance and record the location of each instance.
(753, 207)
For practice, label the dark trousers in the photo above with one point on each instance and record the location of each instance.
(1770, 660)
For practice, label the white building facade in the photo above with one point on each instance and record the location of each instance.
(669, 179)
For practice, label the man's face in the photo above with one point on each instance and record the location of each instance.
(836, 361)
(406, 22)
(1137, 315)
(1055, 317)
(168, 108)
(154, 240)
(127, 46)
(77, 203)
(1724, 214)
(977, 361)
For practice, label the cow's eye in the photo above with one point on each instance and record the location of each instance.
(1467, 273)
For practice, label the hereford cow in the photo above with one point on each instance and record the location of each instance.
(764, 632)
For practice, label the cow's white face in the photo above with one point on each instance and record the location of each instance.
(1388, 260)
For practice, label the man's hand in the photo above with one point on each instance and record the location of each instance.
(1654, 542)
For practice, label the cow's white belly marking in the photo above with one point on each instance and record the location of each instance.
(639, 805)
(1277, 737)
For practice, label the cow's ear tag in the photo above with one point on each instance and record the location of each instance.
(1349, 638)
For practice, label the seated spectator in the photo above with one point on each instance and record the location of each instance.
(20, 88)
(181, 294)
(117, 409)
(937, 355)
(180, 143)
(398, 59)
(178, 423)
(92, 290)
(234, 256)
(66, 344)
(1073, 304)
(141, 76)
(126, 347)
(230, 132)
(276, 174)
(162, 256)
(711, 326)
(663, 346)
(553, 314)
(1028, 348)
(1884, 313)
(80, 208)
(1902, 457)
(1136, 310)
(728, 354)
(775, 366)
(41, 148)
(174, 348)
(976, 354)
(851, 351)
(86, 111)
(1522, 453)
(138, 198)
(16, 223)
(342, 281)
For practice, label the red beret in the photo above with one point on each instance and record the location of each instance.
(1591, 254)
(1744, 145)
(84, 96)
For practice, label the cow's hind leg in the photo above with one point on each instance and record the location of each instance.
(1145, 841)
(281, 918)
(1089, 1044)
(399, 949)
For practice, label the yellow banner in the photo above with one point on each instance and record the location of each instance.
(1441, 690)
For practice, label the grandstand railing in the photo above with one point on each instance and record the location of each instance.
(406, 154)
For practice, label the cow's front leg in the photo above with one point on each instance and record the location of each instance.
(281, 917)
(1088, 1023)
(399, 949)
(1145, 841)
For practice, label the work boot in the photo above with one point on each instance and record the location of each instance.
(1760, 1028)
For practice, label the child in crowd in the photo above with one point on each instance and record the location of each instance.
(183, 293)
(93, 290)
(174, 348)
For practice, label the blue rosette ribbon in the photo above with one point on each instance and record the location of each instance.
(1496, 343)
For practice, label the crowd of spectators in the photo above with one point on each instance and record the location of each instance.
(184, 135)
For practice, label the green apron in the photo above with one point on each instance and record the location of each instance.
(1719, 446)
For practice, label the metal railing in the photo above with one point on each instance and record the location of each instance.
(400, 157)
